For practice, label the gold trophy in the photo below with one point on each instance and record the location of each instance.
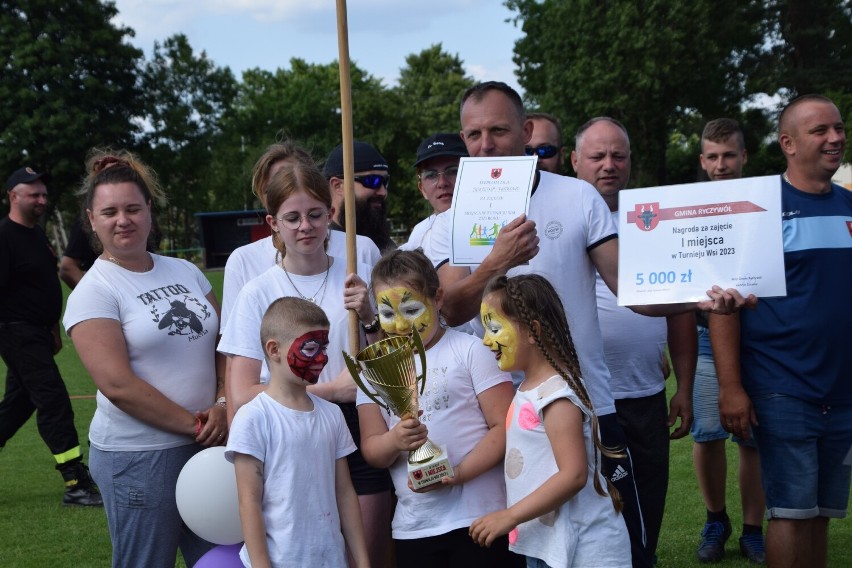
(388, 366)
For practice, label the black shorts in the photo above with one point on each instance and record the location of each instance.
(366, 479)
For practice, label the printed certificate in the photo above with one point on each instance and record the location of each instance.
(677, 241)
(489, 193)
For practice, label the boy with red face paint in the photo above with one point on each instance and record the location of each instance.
(289, 448)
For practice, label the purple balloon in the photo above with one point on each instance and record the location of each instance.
(222, 556)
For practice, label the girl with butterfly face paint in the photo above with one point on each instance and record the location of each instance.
(463, 405)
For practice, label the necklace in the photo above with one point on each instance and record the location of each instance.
(312, 299)
(117, 262)
(784, 175)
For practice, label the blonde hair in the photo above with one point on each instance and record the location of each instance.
(274, 153)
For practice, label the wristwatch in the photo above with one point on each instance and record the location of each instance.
(373, 327)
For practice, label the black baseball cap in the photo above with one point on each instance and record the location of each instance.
(366, 158)
(23, 175)
(441, 144)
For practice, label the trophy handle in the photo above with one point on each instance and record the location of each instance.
(356, 376)
(418, 344)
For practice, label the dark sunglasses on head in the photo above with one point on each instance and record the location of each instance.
(372, 181)
(543, 152)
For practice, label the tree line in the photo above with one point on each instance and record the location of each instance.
(72, 81)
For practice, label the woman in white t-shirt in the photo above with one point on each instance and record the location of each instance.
(298, 202)
(145, 327)
(464, 406)
(252, 260)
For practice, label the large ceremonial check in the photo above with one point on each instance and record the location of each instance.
(677, 241)
(489, 193)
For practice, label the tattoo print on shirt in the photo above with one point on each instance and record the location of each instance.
(174, 309)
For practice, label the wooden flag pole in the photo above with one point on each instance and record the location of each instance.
(348, 161)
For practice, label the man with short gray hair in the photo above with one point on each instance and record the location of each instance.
(635, 345)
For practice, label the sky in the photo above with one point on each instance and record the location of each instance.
(245, 34)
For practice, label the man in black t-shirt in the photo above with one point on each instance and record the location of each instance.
(30, 306)
(78, 256)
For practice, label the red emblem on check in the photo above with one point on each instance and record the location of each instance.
(496, 173)
(647, 216)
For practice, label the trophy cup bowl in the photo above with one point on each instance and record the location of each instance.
(388, 366)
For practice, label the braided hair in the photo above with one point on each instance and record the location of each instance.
(531, 302)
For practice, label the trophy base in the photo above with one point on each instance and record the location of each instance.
(431, 471)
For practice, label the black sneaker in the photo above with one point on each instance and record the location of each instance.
(82, 497)
(752, 547)
(713, 539)
(80, 488)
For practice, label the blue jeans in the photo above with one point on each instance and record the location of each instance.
(138, 490)
(536, 563)
(706, 425)
(802, 447)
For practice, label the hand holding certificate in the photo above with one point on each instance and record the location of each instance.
(677, 241)
(490, 193)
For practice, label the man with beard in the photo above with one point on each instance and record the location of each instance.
(371, 193)
(30, 305)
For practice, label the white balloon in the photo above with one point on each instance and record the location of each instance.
(206, 495)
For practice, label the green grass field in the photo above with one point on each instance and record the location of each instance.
(36, 531)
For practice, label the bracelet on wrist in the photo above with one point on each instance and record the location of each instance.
(373, 327)
(222, 402)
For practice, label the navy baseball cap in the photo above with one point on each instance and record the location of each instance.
(23, 175)
(441, 144)
(366, 158)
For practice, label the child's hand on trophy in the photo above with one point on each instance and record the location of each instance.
(447, 481)
(409, 434)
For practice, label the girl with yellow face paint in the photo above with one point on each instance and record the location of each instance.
(558, 511)
(463, 404)
(501, 335)
(403, 309)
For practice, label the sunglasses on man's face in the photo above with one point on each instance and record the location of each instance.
(372, 181)
(543, 152)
